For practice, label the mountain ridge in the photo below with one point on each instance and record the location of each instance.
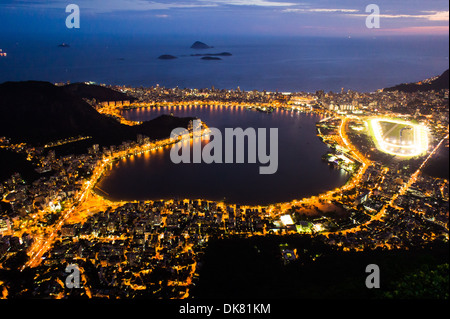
(440, 83)
(39, 112)
(97, 92)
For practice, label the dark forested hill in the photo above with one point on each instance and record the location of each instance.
(100, 93)
(437, 84)
(39, 112)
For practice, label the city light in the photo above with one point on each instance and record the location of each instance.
(357, 230)
(287, 220)
(396, 147)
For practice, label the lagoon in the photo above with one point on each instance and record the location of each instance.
(301, 171)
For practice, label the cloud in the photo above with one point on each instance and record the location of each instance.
(100, 6)
(258, 3)
(140, 5)
(144, 5)
(437, 15)
(430, 15)
(321, 10)
(427, 15)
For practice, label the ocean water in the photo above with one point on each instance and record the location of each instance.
(261, 63)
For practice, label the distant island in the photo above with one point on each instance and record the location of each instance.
(64, 45)
(200, 45)
(205, 56)
(213, 54)
(167, 57)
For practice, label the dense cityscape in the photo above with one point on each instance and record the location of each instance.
(155, 249)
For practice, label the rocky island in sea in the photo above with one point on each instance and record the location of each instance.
(213, 54)
(167, 57)
(200, 45)
(204, 56)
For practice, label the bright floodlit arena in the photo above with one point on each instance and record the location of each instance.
(400, 138)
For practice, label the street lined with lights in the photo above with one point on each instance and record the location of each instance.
(88, 195)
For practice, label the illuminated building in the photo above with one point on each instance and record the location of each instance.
(396, 141)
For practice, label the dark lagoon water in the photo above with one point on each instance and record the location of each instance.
(301, 172)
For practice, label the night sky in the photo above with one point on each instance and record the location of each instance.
(225, 17)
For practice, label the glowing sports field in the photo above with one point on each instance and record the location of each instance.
(400, 138)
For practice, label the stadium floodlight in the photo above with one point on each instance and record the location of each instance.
(418, 146)
(287, 220)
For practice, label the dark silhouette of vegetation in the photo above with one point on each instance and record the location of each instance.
(427, 282)
(440, 83)
(39, 112)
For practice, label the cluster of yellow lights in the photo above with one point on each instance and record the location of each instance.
(392, 146)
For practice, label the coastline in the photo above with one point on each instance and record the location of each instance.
(269, 206)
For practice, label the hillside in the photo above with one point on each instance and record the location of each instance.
(254, 268)
(100, 93)
(440, 83)
(12, 162)
(39, 112)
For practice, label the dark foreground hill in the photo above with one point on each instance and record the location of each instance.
(100, 93)
(440, 83)
(12, 162)
(39, 112)
(253, 268)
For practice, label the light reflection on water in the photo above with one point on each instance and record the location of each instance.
(301, 172)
